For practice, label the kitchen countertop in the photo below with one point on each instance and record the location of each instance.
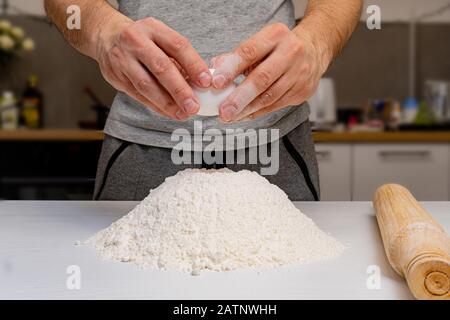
(37, 247)
(51, 135)
(382, 137)
(319, 137)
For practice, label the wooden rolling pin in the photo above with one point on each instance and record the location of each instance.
(417, 247)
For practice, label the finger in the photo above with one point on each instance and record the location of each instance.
(284, 102)
(171, 111)
(165, 71)
(212, 62)
(246, 72)
(231, 65)
(250, 69)
(145, 84)
(184, 53)
(267, 98)
(180, 68)
(257, 82)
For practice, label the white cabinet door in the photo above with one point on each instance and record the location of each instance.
(334, 171)
(422, 168)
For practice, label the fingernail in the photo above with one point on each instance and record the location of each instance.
(180, 115)
(219, 81)
(205, 79)
(228, 112)
(190, 106)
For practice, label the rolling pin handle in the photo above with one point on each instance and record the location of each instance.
(435, 272)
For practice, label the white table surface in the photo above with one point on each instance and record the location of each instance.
(37, 246)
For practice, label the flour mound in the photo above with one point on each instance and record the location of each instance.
(218, 220)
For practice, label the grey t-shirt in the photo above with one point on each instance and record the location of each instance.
(213, 27)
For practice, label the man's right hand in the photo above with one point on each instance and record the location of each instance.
(146, 59)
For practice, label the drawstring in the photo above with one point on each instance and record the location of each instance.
(302, 164)
(111, 161)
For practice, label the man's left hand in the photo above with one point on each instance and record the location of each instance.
(283, 69)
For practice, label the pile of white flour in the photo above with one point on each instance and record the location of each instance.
(218, 220)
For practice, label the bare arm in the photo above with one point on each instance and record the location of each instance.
(329, 25)
(97, 18)
(285, 65)
(144, 58)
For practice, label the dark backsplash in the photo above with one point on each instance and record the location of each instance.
(375, 62)
(373, 65)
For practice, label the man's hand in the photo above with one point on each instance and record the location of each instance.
(150, 62)
(283, 66)
(285, 69)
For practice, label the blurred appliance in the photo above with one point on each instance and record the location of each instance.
(437, 96)
(323, 105)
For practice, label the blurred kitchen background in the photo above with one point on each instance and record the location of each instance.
(382, 114)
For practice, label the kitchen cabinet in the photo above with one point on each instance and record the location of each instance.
(48, 169)
(422, 168)
(335, 171)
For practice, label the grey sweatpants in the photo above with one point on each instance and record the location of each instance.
(128, 171)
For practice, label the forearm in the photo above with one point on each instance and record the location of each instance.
(329, 25)
(98, 21)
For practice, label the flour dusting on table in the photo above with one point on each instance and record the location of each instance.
(218, 220)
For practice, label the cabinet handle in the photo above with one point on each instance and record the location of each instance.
(406, 153)
(323, 155)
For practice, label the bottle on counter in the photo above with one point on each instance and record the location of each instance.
(437, 96)
(9, 112)
(409, 111)
(32, 105)
(395, 115)
(425, 115)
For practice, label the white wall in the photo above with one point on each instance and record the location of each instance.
(396, 10)
(391, 10)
